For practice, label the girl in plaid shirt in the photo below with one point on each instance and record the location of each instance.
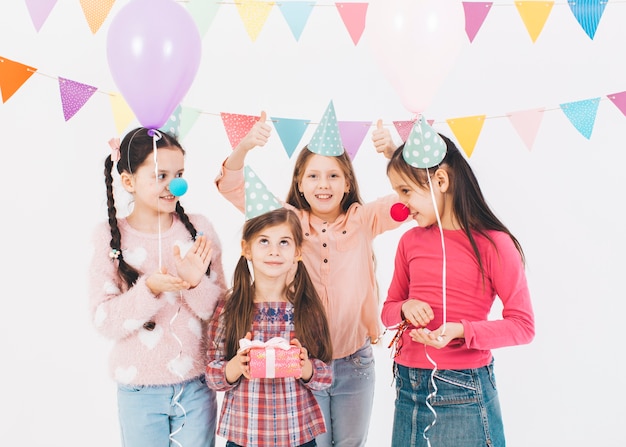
(273, 301)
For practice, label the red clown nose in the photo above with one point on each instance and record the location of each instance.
(399, 212)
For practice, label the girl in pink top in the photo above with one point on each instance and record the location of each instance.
(156, 277)
(448, 272)
(337, 251)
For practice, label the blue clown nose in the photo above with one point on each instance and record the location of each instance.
(178, 186)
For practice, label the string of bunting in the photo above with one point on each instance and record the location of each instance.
(254, 14)
(74, 95)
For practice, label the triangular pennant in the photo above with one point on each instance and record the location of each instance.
(534, 15)
(526, 123)
(122, 113)
(353, 16)
(96, 12)
(253, 14)
(475, 14)
(297, 15)
(290, 131)
(74, 95)
(203, 13)
(237, 126)
(467, 130)
(39, 11)
(172, 125)
(188, 118)
(619, 99)
(327, 139)
(404, 128)
(352, 135)
(582, 114)
(259, 199)
(12, 76)
(588, 14)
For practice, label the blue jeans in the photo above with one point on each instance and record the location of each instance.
(466, 405)
(347, 404)
(149, 414)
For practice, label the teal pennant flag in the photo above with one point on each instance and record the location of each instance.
(582, 114)
(588, 14)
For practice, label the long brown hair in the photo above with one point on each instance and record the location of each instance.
(310, 322)
(468, 202)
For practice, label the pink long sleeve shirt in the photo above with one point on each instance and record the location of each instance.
(418, 275)
(139, 356)
(340, 260)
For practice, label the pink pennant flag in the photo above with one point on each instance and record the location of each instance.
(619, 99)
(237, 126)
(74, 95)
(353, 16)
(39, 11)
(475, 14)
(404, 128)
(526, 123)
(352, 135)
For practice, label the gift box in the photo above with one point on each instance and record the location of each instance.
(272, 359)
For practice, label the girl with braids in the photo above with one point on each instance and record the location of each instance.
(155, 279)
(449, 269)
(272, 301)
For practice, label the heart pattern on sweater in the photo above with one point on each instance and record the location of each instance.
(151, 338)
(125, 375)
(135, 257)
(100, 315)
(180, 366)
(195, 327)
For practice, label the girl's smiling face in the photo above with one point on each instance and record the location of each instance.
(272, 252)
(324, 184)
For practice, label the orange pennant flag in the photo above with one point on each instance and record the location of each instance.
(466, 130)
(253, 13)
(534, 14)
(96, 12)
(12, 76)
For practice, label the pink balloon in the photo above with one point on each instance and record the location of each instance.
(415, 44)
(153, 50)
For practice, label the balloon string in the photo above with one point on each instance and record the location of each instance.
(182, 386)
(156, 136)
(430, 397)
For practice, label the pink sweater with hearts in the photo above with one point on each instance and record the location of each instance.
(175, 350)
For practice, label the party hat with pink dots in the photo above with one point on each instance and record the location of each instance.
(424, 148)
(258, 198)
(327, 139)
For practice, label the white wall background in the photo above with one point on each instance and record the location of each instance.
(562, 200)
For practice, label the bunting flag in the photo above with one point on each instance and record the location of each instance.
(353, 16)
(39, 11)
(352, 135)
(404, 128)
(619, 99)
(237, 126)
(96, 12)
(466, 130)
(296, 15)
(526, 123)
(203, 13)
(172, 125)
(253, 14)
(582, 114)
(475, 14)
(188, 118)
(123, 115)
(534, 15)
(12, 76)
(290, 131)
(588, 14)
(74, 95)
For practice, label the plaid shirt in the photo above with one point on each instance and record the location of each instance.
(279, 412)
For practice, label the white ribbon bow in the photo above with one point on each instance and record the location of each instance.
(275, 342)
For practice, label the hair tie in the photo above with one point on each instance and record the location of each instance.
(114, 143)
(114, 253)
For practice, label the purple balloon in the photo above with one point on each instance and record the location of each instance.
(153, 50)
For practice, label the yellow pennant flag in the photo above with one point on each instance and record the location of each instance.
(534, 14)
(123, 115)
(253, 13)
(96, 11)
(466, 130)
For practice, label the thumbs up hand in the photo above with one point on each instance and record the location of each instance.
(383, 143)
(257, 136)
